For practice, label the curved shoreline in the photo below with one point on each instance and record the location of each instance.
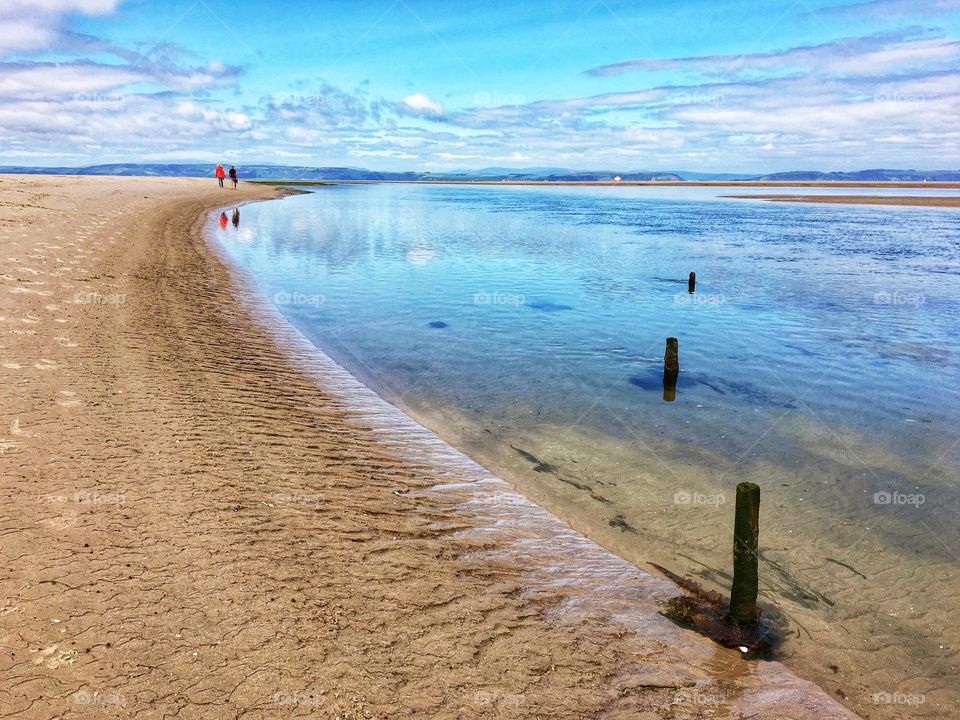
(273, 539)
(557, 558)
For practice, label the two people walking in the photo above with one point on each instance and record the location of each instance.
(220, 175)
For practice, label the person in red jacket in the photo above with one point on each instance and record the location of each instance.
(220, 174)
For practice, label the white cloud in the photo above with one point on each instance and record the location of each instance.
(420, 104)
(55, 80)
(51, 7)
(870, 55)
(28, 25)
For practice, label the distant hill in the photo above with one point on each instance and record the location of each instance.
(288, 172)
(879, 175)
(247, 172)
(484, 172)
(713, 177)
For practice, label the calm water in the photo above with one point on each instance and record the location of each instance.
(560, 300)
(819, 357)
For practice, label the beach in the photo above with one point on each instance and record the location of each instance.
(195, 524)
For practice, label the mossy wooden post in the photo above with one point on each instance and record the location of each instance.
(746, 536)
(692, 282)
(671, 359)
(671, 369)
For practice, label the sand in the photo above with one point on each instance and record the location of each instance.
(201, 520)
(864, 599)
(922, 200)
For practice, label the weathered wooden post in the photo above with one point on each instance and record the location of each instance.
(692, 282)
(746, 536)
(671, 369)
(671, 361)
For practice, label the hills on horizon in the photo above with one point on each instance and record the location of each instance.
(555, 174)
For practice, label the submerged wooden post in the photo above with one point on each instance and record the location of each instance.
(746, 535)
(671, 369)
(692, 282)
(671, 361)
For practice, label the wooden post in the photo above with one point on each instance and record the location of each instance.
(671, 360)
(746, 535)
(671, 369)
(692, 283)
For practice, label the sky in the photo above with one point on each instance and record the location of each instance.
(635, 85)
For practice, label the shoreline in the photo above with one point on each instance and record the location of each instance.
(229, 530)
(911, 200)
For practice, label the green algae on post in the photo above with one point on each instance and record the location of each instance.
(746, 538)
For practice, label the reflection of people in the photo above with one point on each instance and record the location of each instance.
(220, 174)
(236, 217)
(223, 221)
(233, 176)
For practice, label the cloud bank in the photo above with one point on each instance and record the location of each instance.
(889, 98)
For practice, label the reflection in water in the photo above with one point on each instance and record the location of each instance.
(236, 217)
(669, 389)
(223, 221)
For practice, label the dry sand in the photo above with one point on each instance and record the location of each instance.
(195, 526)
(925, 200)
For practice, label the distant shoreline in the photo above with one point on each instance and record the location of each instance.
(927, 201)
(605, 183)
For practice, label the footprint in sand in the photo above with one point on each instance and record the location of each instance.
(52, 656)
(69, 399)
(15, 429)
(44, 364)
(60, 522)
(66, 342)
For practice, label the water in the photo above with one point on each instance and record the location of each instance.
(818, 356)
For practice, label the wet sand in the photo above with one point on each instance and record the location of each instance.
(862, 598)
(923, 200)
(202, 518)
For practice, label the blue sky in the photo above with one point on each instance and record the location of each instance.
(415, 84)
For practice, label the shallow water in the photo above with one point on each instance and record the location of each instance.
(818, 358)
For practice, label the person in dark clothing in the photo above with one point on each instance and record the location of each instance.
(233, 176)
